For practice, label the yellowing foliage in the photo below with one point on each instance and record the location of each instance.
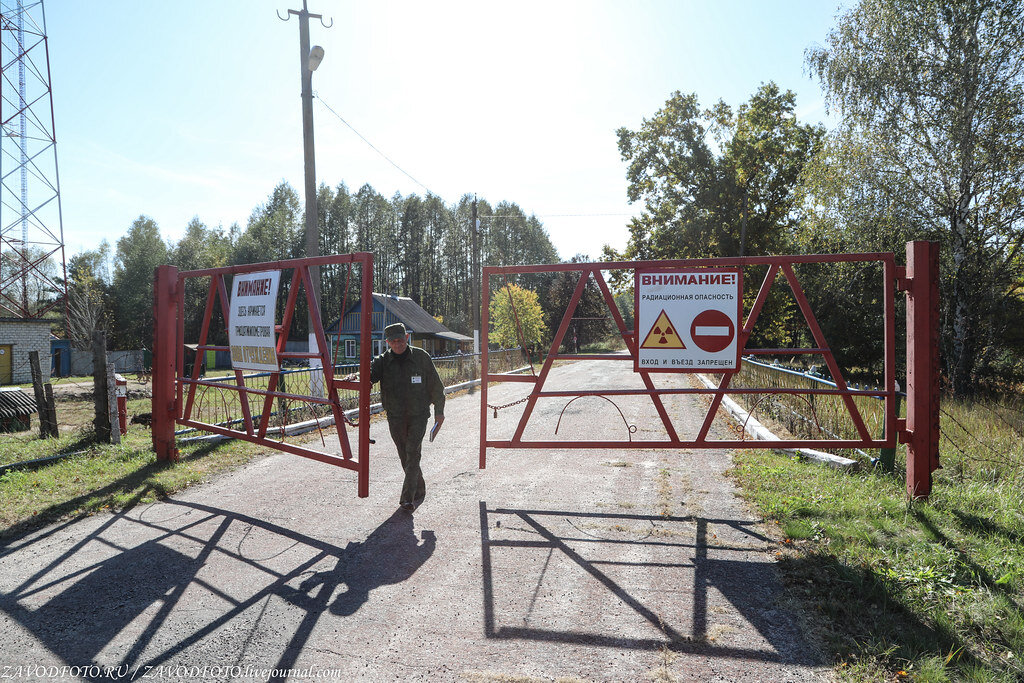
(512, 302)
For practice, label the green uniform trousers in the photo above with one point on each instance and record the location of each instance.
(407, 432)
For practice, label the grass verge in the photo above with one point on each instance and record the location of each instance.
(923, 591)
(98, 476)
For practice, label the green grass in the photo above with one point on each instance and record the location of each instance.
(97, 476)
(609, 345)
(75, 419)
(930, 590)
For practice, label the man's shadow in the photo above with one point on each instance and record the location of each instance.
(101, 600)
(389, 555)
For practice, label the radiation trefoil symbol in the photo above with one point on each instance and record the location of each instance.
(663, 335)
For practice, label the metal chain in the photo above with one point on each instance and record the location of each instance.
(507, 405)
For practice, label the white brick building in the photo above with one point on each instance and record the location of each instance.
(18, 337)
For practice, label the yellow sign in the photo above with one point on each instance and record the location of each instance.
(260, 355)
(663, 335)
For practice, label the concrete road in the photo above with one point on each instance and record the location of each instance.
(617, 565)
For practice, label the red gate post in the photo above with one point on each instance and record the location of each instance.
(485, 363)
(922, 426)
(165, 356)
(365, 345)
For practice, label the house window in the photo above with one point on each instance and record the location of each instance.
(350, 348)
(378, 346)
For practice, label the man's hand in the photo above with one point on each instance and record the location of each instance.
(438, 420)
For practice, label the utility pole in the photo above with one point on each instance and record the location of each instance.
(474, 285)
(309, 60)
(475, 226)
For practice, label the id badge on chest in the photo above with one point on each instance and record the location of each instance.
(417, 379)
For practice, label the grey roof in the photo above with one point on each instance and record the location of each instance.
(407, 311)
(34, 321)
(454, 336)
(14, 401)
(411, 313)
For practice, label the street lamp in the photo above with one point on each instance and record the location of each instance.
(316, 55)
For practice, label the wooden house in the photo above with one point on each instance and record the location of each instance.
(426, 332)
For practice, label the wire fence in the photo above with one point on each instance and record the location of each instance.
(977, 437)
(808, 416)
(124, 362)
(222, 406)
(983, 439)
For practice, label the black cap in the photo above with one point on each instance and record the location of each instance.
(395, 331)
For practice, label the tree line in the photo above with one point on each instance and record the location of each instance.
(422, 249)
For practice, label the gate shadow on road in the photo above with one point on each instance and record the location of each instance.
(129, 606)
(650, 592)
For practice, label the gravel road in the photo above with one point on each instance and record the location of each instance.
(602, 565)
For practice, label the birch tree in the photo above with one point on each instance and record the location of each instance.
(936, 88)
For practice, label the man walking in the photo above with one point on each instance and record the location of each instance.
(409, 383)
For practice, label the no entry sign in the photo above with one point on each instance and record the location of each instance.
(688, 320)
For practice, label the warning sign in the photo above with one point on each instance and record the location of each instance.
(663, 335)
(251, 329)
(688, 320)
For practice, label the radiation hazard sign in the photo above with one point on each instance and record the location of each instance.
(688, 320)
(663, 335)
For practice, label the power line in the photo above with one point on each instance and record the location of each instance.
(410, 176)
(373, 147)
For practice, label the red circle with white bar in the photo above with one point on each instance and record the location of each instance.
(712, 330)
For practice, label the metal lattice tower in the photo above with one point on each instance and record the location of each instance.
(32, 263)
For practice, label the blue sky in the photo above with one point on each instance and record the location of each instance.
(183, 109)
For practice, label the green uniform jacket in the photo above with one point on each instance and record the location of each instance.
(409, 387)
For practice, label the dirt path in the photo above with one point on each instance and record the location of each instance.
(596, 565)
(139, 385)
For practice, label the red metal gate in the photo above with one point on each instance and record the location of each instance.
(174, 394)
(919, 279)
